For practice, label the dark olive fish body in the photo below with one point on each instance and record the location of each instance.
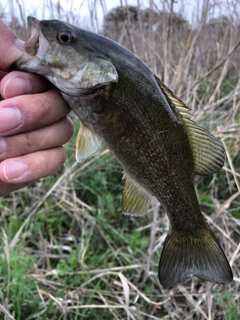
(122, 103)
(136, 128)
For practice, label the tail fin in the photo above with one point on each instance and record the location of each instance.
(193, 255)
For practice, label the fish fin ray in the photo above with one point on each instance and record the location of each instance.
(136, 201)
(184, 257)
(87, 144)
(208, 152)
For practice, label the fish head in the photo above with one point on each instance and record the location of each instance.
(60, 52)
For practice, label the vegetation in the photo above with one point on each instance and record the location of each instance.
(66, 250)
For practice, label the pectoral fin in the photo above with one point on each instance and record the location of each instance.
(136, 200)
(87, 144)
(208, 152)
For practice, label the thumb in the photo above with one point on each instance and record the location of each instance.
(10, 49)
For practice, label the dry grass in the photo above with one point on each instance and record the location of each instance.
(67, 253)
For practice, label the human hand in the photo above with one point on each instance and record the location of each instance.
(33, 122)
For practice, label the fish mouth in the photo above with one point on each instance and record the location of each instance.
(35, 49)
(32, 43)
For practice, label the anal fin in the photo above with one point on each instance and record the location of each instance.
(135, 200)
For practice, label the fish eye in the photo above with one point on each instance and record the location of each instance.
(66, 37)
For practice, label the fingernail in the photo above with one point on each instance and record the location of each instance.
(16, 86)
(14, 169)
(19, 44)
(3, 146)
(10, 118)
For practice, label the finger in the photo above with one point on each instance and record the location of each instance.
(2, 74)
(18, 83)
(32, 166)
(48, 137)
(6, 188)
(31, 112)
(9, 49)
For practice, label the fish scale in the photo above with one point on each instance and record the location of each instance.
(122, 104)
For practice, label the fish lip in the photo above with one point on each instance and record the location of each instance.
(32, 43)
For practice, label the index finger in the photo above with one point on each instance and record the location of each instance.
(17, 83)
(9, 49)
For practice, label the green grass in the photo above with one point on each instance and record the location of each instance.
(61, 251)
(228, 303)
(65, 263)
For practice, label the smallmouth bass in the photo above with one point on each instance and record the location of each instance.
(121, 103)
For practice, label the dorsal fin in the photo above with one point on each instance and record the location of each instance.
(87, 144)
(136, 200)
(208, 152)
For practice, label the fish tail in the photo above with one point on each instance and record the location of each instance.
(198, 254)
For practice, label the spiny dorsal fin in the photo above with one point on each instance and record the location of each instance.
(199, 254)
(87, 144)
(208, 152)
(135, 200)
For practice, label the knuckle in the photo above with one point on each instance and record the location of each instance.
(50, 106)
(41, 103)
(69, 128)
(28, 142)
(53, 162)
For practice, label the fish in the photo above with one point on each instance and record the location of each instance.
(122, 104)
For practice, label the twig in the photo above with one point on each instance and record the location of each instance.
(216, 66)
(151, 242)
(189, 297)
(231, 164)
(96, 271)
(7, 314)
